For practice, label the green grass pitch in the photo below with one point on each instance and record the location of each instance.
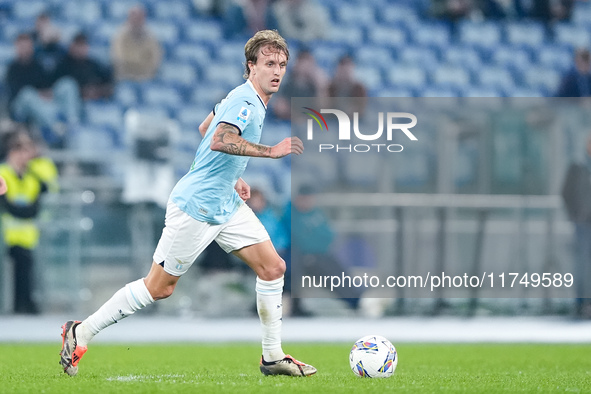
(210, 368)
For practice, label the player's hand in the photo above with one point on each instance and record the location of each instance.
(290, 145)
(243, 189)
(3, 187)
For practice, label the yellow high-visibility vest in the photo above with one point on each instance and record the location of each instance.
(25, 191)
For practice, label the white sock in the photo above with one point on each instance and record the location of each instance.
(133, 297)
(270, 308)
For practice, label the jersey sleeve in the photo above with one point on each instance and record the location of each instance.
(237, 112)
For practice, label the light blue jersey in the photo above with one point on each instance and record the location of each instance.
(207, 192)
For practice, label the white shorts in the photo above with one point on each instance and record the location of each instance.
(184, 238)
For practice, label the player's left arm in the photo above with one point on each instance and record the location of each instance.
(205, 124)
(227, 139)
(243, 189)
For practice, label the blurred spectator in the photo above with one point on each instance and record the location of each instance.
(301, 20)
(452, 10)
(32, 97)
(46, 38)
(577, 81)
(548, 10)
(95, 81)
(135, 52)
(27, 176)
(312, 242)
(575, 192)
(246, 17)
(306, 79)
(345, 85)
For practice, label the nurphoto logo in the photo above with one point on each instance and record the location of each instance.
(393, 124)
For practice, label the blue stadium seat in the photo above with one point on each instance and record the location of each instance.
(93, 140)
(573, 35)
(171, 10)
(10, 29)
(207, 95)
(350, 35)
(463, 56)
(374, 55)
(116, 11)
(506, 56)
(191, 116)
(555, 56)
(451, 75)
(6, 53)
(156, 111)
(104, 32)
(232, 52)
(544, 79)
(178, 73)
(85, 12)
(482, 35)
(203, 31)
(126, 94)
(225, 75)
(386, 35)
(28, 10)
(102, 53)
(356, 15)
(495, 77)
(198, 54)
(104, 114)
(425, 58)
(439, 91)
(397, 14)
(581, 14)
(370, 76)
(327, 55)
(477, 91)
(530, 34)
(526, 92)
(161, 94)
(394, 92)
(406, 77)
(431, 34)
(166, 32)
(69, 28)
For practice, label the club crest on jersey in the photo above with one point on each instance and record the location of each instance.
(243, 115)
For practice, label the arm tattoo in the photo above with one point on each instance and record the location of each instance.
(227, 140)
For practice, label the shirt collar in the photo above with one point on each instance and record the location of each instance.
(255, 92)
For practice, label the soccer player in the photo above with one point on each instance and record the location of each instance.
(207, 204)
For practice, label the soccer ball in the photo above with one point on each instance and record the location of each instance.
(373, 356)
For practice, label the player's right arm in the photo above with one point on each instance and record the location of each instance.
(227, 139)
(205, 124)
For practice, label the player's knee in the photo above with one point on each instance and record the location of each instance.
(161, 292)
(273, 270)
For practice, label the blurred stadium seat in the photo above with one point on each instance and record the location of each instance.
(171, 10)
(529, 34)
(176, 73)
(482, 35)
(452, 76)
(496, 77)
(84, 12)
(28, 10)
(104, 114)
(574, 35)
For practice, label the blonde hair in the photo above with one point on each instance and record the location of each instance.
(260, 40)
